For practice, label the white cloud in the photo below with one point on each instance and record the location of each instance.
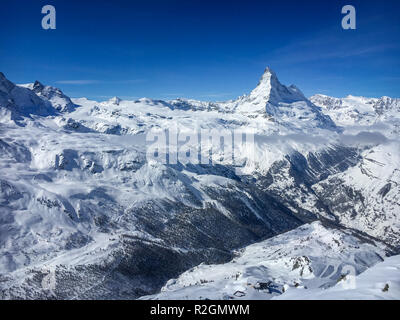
(83, 82)
(78, 82)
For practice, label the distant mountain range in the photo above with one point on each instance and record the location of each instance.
(321, 196)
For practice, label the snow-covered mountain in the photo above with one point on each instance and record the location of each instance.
(286, 105)
(79, 196)
(361, 111)
(54, 95)
(17, 102)
(370, 189)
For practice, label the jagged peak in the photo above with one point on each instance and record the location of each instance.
(270, 90)
(115, 100)
(268, 76)
(269, 71)
(38, 86)
(6, 84)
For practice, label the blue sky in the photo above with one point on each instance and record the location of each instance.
(208, 50)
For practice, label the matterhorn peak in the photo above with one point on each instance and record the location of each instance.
(115, 100)
(270, 90)
(268, 74)
(268, 79)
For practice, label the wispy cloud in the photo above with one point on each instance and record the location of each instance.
(215, 95)
(330, 45)
(111, 96)
(86, 82)
(390, 78)
(298, 53)
(173, 94)
(77, 82)
(203, 96)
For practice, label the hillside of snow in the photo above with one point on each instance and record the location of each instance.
(309, 258)
(380, 282)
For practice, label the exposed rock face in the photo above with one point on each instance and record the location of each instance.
(21, 102)
(55, 96)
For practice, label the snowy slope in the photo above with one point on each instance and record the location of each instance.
(309, 258)
(382, 281)
(367, 196)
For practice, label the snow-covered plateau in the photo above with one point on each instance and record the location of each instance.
(84, 214)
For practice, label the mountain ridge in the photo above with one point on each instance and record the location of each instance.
(77, 193)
